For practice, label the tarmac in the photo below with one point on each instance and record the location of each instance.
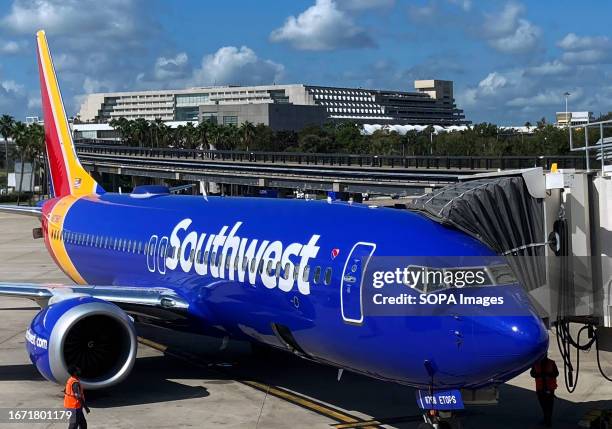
(188, 381)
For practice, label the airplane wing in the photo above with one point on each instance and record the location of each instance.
(23, 210)
(160, 303)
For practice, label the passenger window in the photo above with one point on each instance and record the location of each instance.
(253, 265)
(296, 272)
(236, 262)
(278, 269)
(146, 248)
(227, 262)
(286, 272)
(306, 273)
(245, 263)
(328, 275)
(261, 266)
(139, 247)
(191, 255)
(213, 259)
(317, 274)
(269, 267)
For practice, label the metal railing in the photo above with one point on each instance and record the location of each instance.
(342, 160)
(602, 148)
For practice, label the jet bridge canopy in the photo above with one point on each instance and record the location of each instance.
(499, 211)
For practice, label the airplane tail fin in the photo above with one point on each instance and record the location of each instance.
(68, 176)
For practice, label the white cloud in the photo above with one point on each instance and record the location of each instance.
(95, 45)
(589, 56)
(232, 65)
(586, 49)
(12, 98)
(425, 12)
(541, 99)
(507, 32)
(76, 18)
(572, 42)
(171, 68)
(10, 47)
(322, 27)
(504, 22)
(524, 39)
(549, 68)
(466, 5)
(358, 5)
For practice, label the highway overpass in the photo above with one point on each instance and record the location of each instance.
(322, 172)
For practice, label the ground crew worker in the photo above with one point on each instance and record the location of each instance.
(74, 400)
(545, 373)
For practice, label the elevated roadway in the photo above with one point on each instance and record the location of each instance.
(323, 172)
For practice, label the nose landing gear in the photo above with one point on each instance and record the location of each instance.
(434, 419)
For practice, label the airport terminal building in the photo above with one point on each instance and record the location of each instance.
(282, 107)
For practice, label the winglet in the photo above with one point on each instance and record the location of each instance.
(67, 174)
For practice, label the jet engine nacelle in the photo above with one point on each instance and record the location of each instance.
(95, 335)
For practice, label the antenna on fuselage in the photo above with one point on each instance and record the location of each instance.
(203, 190)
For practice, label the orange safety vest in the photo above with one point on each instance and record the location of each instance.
(70, 399)
(545, 377)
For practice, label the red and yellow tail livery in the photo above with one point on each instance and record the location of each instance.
(68, 176)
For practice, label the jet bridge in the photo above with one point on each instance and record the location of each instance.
(555, 228)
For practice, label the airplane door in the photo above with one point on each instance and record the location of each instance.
(151, 258)
(351, 292)
(161, 255)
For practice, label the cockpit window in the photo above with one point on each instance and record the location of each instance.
(502, 274)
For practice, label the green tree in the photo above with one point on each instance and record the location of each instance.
(247, 132)
(7, 125)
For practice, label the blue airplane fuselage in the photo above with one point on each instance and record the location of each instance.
(241, 262)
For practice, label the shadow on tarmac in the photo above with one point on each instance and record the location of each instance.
(384, 401)
(151, 382)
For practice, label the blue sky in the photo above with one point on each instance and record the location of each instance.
(511, 61)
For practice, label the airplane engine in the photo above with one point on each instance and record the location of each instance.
(95, 335)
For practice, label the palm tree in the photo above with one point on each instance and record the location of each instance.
(140, 131)
(205, 130)
(22, 140)
(7, 125)
(123, 127)
(191, 136)
(36, 150)
(247, 130)
(156, 126)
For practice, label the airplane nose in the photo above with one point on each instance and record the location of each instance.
(510, 344)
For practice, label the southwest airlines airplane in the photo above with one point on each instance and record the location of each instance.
(285, 273)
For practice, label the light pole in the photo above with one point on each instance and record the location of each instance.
(567, 121)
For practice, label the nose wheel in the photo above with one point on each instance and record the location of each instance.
(437, 420)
